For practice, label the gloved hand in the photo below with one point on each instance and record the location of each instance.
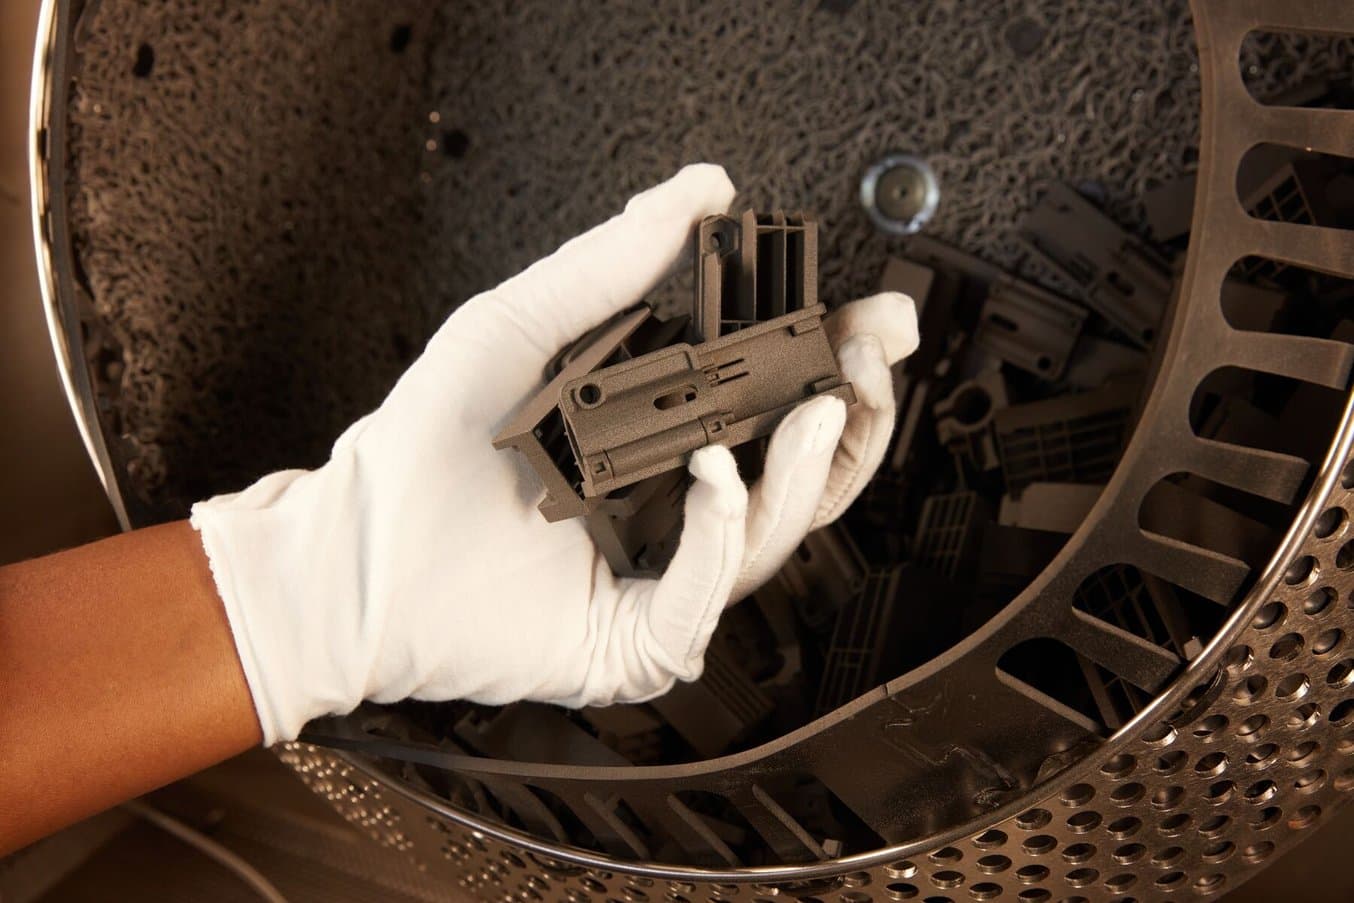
(414, 562)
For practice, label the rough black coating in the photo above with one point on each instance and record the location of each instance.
(276, 202)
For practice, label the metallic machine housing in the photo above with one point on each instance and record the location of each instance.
(1241, 750)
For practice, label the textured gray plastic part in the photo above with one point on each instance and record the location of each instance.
(537, 431)
(626, 404)
(1096, 361)
(1115, 274)
(911, 278)
(1029, 327)
(958, 264)
(753, 268)
(1302, 191)
(1074, 438)
(860, 639)
(716, 710)
(637, 528)
(964, 419)
(911, 406)
(949, 532)
(866, 642)
(646, 416)
(1169, 207)
(1021, 323)
(1057, 507)
(825, 572)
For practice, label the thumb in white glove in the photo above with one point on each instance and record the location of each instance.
(414, 562)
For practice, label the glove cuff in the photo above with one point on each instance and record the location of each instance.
(291, 597)
(217, 548)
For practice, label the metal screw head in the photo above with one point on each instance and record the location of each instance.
(900, 193)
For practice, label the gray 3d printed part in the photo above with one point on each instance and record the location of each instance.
(1307, 191)
(756, 277)
(949, 531)
(825, 572)
(624, 721)
(652, 333)
(714, 712)
(1029, 327)
(1169, 208)
(860, 640)
(1095, 361)
(1074, 438)
(537, 430)
(911, 278)
(1053, 507)
(646, 416)
(637, 528)
(864, 644)
(1009, 557)
(1116, 275)
(933, 292)
(753, 268)
(964, 419)
(1021, 323)
(1071, 439)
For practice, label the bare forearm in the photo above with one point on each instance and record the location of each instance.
(118, 674)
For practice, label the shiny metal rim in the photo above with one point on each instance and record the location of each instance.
(475, 851)
(869, 187)
(46, 161)
(1186, 803)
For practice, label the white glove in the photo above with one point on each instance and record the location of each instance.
(414, 563)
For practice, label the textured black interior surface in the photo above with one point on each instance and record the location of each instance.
(251, 221)
(276, 202)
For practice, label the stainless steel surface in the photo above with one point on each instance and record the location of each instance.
(49, 495)
(900, 193)
(1172, 803)
(1227, 767)
(60, 292)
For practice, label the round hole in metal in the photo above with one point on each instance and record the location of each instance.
(1124, 827)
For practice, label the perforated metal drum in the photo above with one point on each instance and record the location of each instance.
(978, 784)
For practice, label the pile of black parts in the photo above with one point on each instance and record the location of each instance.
(1012, 416)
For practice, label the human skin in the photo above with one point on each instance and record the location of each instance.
(118, 674)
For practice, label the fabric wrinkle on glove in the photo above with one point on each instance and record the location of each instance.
(414, 563)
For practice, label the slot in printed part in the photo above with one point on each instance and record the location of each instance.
(646, 416)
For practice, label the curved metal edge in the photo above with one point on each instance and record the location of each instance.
(46, 156)
(1200, 670)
